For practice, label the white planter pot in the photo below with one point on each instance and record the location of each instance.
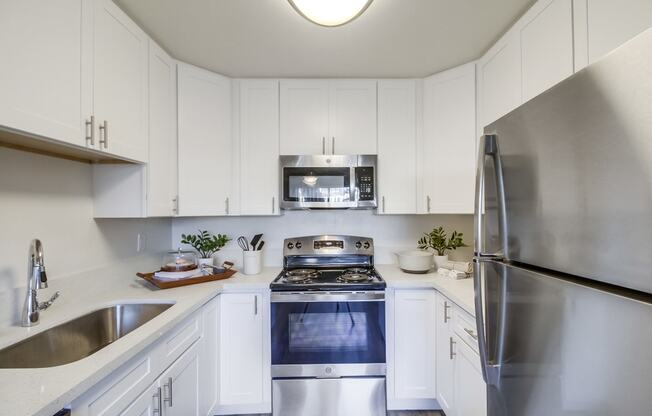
(439, 260)
(205, 261)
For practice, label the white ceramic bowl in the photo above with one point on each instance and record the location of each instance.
(415, 261)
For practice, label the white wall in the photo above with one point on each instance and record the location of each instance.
(390, 232)
(52, 199)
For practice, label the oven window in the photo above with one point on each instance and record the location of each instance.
(328, 332)
(317, 184)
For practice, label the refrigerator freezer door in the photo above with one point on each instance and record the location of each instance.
(556, 347)
(577, 166)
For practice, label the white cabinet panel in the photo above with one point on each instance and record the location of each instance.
(500, 77)
(444, 358)
(352, 117)
(303, 117)
(414, 344)
(397, 146)
(244, 361)
(259, 147)
(147, 404)
(612, 23)
(120, 61)
(162, 163)
(470, 389)
(448, 156)
(180, 385)
(205, 142)
(547, 48)
(46, 71)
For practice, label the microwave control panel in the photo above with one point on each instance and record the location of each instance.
(364, 178)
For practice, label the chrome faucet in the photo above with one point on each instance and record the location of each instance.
(36, 279)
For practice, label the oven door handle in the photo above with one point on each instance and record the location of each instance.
(285, 297)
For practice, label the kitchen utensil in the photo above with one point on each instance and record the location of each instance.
(179, 261)
(243, 243)
(227, 265)
(255, 240)
(260, 246)
(415, 261)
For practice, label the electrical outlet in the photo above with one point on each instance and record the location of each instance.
(140, 242)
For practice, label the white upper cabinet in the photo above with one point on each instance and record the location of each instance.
(304, 117)
(352, 117)
(547, 48)
(608, 24)
(259, 147)
(449, 137)
(120, 62)
(328, 117)
(162, 164)
(397, 147)
(205, 142)
(500, 79)
(46, 68)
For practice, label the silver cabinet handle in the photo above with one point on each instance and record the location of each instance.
(428, 203)
(157, 402)
(323, 145)
(452, 352)
(226, 205)
(273, 205)
(471, 333)
(90, 135)
(255, 304)
(104, 138)
(175, 205)
(383, 203)
(168, 385)
(333, 146)
(446, 308)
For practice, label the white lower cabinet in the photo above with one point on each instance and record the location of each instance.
(244, 353)
(470, 389)
(180, 385)
(147, 404)
(444, 356)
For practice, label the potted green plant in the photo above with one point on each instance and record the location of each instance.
(438, 240)
(206, 244)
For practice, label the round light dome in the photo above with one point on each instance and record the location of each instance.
(330, 12)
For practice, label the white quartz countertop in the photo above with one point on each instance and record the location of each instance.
(44, 391)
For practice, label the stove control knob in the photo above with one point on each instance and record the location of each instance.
(298, 245)
(367, 245)
(290, 245)
(358, 245)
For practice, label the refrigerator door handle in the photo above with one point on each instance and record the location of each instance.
(489, 148)
(490, 369)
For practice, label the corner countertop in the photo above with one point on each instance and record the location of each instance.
(44, 391)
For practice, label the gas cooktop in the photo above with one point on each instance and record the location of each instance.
(347, 279)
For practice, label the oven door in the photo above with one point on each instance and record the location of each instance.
(328, 334)
(318, 187)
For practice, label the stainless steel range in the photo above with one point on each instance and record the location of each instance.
(328, 328)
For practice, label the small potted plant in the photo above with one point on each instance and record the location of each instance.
(206, 244)
(438, 241)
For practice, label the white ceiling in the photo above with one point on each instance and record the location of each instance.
(267, 38)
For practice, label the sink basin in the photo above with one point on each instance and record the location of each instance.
(79, 338)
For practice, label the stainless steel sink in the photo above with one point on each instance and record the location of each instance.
(80, 337)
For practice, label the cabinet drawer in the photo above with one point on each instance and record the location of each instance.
(464, 326)
(181, 338)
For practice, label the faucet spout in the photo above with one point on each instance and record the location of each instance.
(36, 279)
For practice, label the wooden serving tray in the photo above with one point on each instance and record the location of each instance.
(169, 284)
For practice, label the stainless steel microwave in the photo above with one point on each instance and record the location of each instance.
(328, 181)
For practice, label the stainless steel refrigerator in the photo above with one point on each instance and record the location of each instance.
(563, 272)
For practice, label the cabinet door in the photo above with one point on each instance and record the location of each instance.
(397, 146)
(470, 389)
(414, 344)
(44, 76)
(205, 142)
(180, 385)
(243, 377)
(304, 117)
(444, 357)
(448, 156)
(352, 117)
(120, 82)
(147, 404)
(547, 55)
(612, 23)
(259, 147)
(162, 164)
(500, 80)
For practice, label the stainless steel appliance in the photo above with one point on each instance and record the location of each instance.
(563, 272)
(328, 181)
(328, 329)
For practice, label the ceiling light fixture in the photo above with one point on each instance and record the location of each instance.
(330, 13)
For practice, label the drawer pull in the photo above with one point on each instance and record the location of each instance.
(471, 333)
(446, 308)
